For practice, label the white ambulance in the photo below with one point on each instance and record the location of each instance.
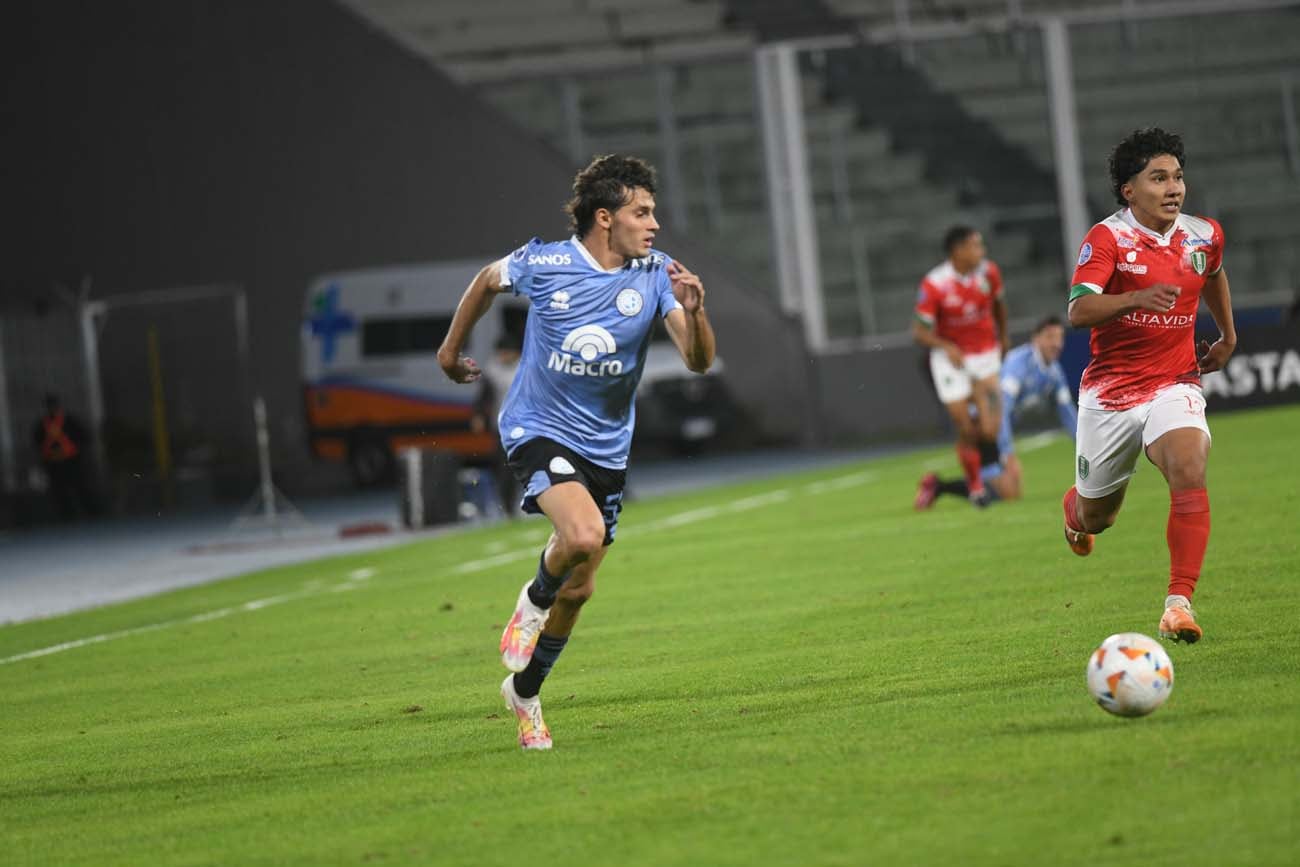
(371, 380)
(372, 384)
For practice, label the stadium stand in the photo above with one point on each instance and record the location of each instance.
(902, 139)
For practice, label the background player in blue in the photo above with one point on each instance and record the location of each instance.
(567, 420)
(1031, 377)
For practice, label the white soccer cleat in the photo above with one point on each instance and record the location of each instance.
(520, 637)
(533, 733)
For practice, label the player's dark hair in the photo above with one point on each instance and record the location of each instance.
(1047, 322)
(1132, 155)
(955, 237)
(606, 183)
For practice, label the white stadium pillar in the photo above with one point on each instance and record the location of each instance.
(1071, 194)
(790, 202)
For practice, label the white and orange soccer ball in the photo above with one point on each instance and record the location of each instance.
(1130, 674)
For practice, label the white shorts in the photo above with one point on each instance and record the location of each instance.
(954, 384)
(1109, 441)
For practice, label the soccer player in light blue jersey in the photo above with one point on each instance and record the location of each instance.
(1031, 377)
(566, 423)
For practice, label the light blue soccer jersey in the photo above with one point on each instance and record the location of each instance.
(1027, 382)
(585, 345)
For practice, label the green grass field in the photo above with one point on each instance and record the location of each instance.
(797, 671)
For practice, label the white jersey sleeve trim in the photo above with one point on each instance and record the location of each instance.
(503, 270)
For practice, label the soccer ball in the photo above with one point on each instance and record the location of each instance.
(1130, 674)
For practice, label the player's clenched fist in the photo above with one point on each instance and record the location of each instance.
(687, 288)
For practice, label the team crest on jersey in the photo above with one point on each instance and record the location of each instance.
(1085, 253)
(1199, 260)
(629, 302)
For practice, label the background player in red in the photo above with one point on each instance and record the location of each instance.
(1141, 275)
(962, 317)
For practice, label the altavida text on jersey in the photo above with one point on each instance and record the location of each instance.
(1160, 320)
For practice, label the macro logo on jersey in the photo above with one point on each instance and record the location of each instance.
(589, 342)
(560, 300)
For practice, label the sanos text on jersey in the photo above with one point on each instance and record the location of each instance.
(550, 259)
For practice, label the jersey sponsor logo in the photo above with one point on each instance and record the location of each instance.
(629, 302)
(1124, 242)
(1198, 259)
(550, 259)
(1160, 320)
(1131, 268)
(1085, 253)
(560, 300)
(589, 342)
(1197, 242)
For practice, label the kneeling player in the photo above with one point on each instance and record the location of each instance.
(1031, 376)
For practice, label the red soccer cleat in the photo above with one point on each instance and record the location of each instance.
(926, 492)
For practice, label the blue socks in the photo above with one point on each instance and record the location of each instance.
(544, 587)
(529, 681)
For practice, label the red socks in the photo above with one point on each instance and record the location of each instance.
(969, 456)
(1071, 512)
(1188, 533)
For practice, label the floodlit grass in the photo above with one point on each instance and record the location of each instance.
(798, 671)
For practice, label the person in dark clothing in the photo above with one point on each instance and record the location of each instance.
(60, 440)
(493, 385)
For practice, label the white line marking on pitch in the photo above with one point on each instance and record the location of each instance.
(205, 617)
(316, 587)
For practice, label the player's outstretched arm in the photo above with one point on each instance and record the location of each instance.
(473, 304)
(1219, 300)
(689, 327)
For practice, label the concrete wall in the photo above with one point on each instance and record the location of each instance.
(152, 144)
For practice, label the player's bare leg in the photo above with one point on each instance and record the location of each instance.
(1087, 516)
(1181, 456)
(574, 553)
(579, 533)
(968, 451)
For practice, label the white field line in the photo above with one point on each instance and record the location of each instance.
(317, 587)
(206, 616)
